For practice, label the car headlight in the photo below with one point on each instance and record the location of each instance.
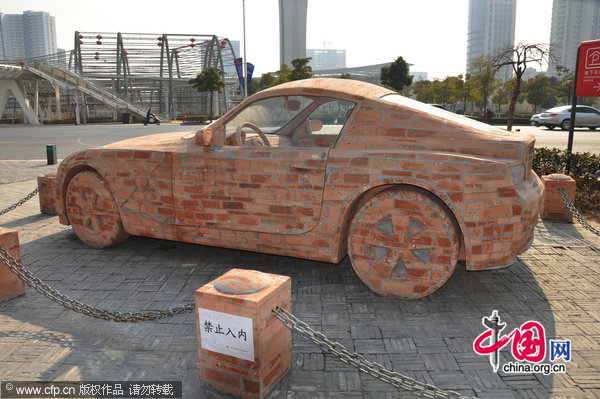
(517, 174)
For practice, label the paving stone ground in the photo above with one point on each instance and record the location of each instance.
(556, 282)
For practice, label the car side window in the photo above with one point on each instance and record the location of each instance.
(324, 124)
(582, 110)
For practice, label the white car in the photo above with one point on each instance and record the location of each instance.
(536, 120)
(561, 116)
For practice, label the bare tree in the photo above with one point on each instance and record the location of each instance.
(519, 57)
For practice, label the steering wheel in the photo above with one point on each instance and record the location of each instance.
(238, 133)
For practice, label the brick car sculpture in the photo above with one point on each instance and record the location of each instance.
(320, 169)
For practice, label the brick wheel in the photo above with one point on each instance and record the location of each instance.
(403, 243)
(93, 212)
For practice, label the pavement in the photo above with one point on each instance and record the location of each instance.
(556, 283)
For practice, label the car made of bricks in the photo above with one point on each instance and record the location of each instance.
(320, 169)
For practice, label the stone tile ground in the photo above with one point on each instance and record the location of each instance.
(556, 282)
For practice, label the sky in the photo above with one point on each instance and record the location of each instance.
(430, 34)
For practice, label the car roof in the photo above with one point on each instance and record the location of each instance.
(558, 109)
(333, 87)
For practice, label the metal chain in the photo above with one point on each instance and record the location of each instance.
(23, 200)
(401, 382)
(62, 299)
(575, 212)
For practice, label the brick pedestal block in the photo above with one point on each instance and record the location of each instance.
(10, 285)
(553, 207)
(47, 194)
(243, 349)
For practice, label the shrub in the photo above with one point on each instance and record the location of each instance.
(195, 119)
(581, 167)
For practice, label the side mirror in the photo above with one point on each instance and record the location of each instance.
(206, 136)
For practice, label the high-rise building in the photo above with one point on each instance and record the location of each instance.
(31, 34)
(323, 59)
(292, 30)
(491, 29)
(573, 21)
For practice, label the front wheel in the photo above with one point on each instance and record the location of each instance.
(93, 211)
(403, 243)
(566, 124)
(145, 122)
(592, 127)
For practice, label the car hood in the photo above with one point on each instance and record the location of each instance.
(169, 142)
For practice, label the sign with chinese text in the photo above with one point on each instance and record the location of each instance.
(227, 334)
(588, 72)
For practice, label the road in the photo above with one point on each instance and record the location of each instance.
(584, 140)
(23, 142)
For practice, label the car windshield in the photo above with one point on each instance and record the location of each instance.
(270, 114)
(450, 116)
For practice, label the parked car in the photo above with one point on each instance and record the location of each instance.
(585, 116)
(536, 120)
(403, 188)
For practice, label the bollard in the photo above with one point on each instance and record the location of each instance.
(47, 195)
(553, 207)
(10, 285)
(243, 349)
(51, 153)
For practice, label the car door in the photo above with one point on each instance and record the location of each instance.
(583, 117)
(275, 188)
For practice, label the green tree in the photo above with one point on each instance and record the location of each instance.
(564, 90)
(464, 90)
(209, 80)
(283, 75)
(483, 80)
(396, 75)
(518, 57)
(301, 69)
(424, 91)
(346, 75)
(538, 91)
(502, 94)
(267, 80)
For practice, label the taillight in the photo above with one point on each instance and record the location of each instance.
(553, 115)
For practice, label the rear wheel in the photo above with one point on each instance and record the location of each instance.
(403, 243)
(566, 124)
(592, 127)
(93, 212)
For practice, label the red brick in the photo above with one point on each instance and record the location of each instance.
(10, 284)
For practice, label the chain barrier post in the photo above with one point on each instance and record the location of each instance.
(11, 285)
(553, 207)
(242, 347)
(47, 195)
(575, 212)
(21, 201)
(32, 281)
(51, 153)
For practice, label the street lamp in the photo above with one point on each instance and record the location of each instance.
(245, 63)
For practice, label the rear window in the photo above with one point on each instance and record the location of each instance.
(441, 113)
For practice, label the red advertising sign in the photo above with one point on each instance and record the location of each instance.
(588, 73)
